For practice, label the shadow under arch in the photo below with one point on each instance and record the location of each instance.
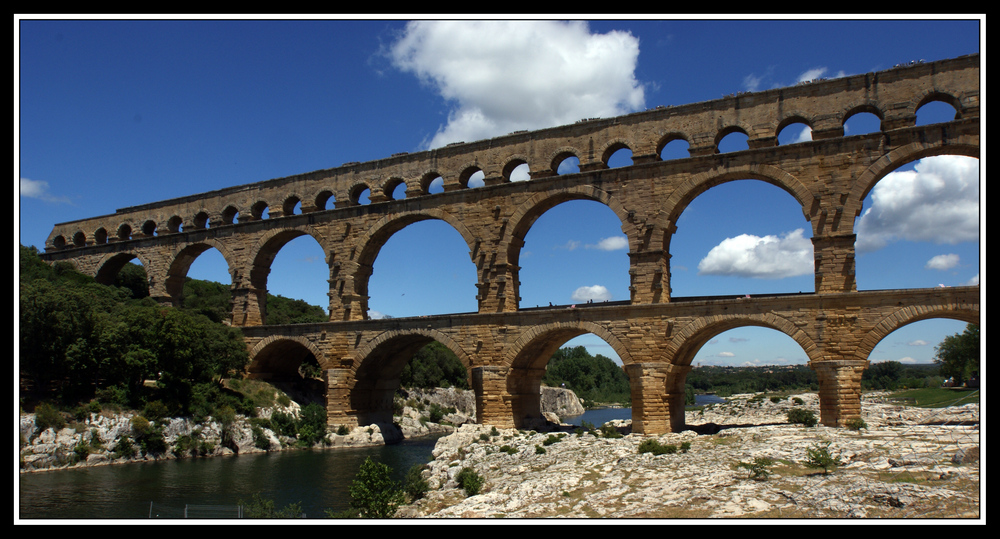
(379, 234)
(910, 315)
(528, 356)
(277, 359)
(111, 264)
(377, 367)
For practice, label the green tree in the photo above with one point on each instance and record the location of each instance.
(958, 355)
(592, 378)
(373, 492)
(432, 366)
(261, 507)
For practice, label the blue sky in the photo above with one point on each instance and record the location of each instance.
(113, 113)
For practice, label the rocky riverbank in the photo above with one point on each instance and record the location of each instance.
(94, 440)
(906, 463)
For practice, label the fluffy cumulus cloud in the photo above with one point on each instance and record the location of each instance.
(591, 293)
(942, 262)
(768, 257)
(503, 76)
(938, 202)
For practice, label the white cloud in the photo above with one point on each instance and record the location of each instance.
(503, 76)
(811, 74)
(595, 293)
(614, 243)
(938, 202)
(942, 262)
(38, 189)
(768, 257)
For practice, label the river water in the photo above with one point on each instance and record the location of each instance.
(316, 479)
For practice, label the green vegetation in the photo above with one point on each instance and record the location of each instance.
(373, 493)
(958, 356)
(433, 366)
(759, 469)
(802, 416)
(726, 381)
(260, 507)
(937, 397)
(469, 481)
(80, 340)
(819, 456)
(595, 379)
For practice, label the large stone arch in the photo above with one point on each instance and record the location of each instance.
(262, 365)
(377, 366)
(183, 257)
(110, 264)
(525, 360)
(908, 315)
(370, 244)
(251, 277)
(557, 331)
(699, 183)
(525, 215)
(427, 334)
(896, 158)
(685, 343)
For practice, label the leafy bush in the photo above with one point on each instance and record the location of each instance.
(469, 481)
(46, 417)
(415, 486)
(312, 424)
(758, 469)
(260, 507)
(653, 446)
(373, 493)
(820, 457)
(856, 424)
(802, 416)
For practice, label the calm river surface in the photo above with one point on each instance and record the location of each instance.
(316, 479)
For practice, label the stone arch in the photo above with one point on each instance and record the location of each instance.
(124, 231)
(79, 238)
(558, 330)
(368, 349)
(389, 186)
(322, 197)
(467, 172)
(110, 264)
(699, 183)
(737, 127)
(369, 245)
(426, 179)
(354, 193)
(253, 277)
(288, 206)
(562, 154)
(686, 342)
(261, 365)
(669, 137)
(859, 107)
(511, 163)
(229, 214)
(895, 159)
(937, 95)
(908, 315)
(377, 366)
(181, 260)
(612, 146)
(527, 213)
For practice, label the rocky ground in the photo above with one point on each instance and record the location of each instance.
(908, 463)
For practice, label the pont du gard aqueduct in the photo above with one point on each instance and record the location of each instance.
(505, 347)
